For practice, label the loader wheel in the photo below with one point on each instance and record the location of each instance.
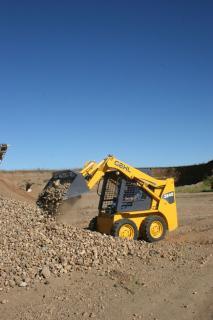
(153, 228)
(93, 224)
(126, 229)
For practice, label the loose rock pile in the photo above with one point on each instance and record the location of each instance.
(33, 247)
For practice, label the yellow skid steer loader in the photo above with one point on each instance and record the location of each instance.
(132, 204)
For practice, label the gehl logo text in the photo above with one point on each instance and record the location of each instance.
(122, 166)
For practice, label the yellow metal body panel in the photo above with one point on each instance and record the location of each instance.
(169, 210)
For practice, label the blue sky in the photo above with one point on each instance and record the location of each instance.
(82, 79)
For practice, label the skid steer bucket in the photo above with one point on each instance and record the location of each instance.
(76, 184)
(63, 185)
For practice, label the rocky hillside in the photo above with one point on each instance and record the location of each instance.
(185, 175)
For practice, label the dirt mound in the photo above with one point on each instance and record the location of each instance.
(13, 184)
(9, 189)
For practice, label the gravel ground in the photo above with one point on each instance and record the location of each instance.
(53, 271)
(33, 247)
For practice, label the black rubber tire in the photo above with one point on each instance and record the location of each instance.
(118, 224)
(145, 228)
(93, 224)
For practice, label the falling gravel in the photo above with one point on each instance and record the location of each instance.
(51, 197)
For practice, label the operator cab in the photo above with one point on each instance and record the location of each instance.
(119, 194)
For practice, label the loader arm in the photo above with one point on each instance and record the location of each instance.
(93, 172)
